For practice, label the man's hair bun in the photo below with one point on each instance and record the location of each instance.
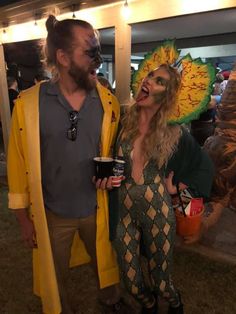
(51, 22)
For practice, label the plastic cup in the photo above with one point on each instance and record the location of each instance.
(188, 225)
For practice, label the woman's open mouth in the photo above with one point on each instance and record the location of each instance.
(143, 94)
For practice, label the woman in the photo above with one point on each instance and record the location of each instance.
(153, 150)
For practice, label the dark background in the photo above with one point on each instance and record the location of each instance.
(24, 61)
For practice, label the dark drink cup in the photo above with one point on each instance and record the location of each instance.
(103, 167)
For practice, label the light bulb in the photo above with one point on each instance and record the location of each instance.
(37, 31)
(4, 36)
(126, 10)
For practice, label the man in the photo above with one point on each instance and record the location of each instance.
(57, 129)
(102, 80)
(12, 90)
(221, 147)
(40, 76)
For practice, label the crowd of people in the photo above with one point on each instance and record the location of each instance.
(14, 86)
(58, 127)
(204, 126)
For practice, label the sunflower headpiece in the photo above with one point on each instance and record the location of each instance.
(197, 78)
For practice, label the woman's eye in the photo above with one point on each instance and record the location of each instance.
(150, 74)
(159, 81)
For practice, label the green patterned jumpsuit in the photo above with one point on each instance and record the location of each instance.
(145, 216)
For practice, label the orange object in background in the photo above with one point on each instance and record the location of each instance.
(188, 225)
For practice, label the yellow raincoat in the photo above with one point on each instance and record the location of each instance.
(25, 191)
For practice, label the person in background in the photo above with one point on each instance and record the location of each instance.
(204, 126)
(102, 80)
(13, 70)
(217, 86)
(100, 74)
(39, 77)
(225, 81)
(160, 159)
(221, 147)
(13, 91)
(58, 128)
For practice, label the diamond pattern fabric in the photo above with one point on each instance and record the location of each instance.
(146, 226)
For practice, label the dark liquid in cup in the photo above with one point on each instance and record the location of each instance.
(103, 167)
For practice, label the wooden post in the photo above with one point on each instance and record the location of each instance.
(4, 100)
(122, 60)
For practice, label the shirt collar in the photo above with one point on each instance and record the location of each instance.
(53, 89)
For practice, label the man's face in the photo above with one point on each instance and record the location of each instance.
(85, 58)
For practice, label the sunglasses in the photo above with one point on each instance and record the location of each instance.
(72, 131)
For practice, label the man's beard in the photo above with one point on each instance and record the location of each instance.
(81, 77)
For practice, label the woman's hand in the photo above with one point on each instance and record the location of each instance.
(171, 188)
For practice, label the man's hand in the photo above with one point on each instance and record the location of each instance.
(27, 228)
(172, 188)
(103, 184)
(106, 183)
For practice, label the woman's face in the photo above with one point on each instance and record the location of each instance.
(154, 88)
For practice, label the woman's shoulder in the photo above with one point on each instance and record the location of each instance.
(186, 138)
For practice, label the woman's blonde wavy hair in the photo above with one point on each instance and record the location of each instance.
(161, 140)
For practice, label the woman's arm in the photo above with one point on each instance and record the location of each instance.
(191, 166)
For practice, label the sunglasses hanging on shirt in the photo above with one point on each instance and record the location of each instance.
(71, 133)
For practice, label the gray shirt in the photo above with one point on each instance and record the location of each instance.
(67, 166)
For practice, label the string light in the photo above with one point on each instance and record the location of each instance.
(126, 10)
(73, 10)
(4, 33)
(36, 26)
(36, 17)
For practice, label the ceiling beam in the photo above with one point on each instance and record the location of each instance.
(24, 11)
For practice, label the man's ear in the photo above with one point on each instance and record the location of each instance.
(62, 58)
